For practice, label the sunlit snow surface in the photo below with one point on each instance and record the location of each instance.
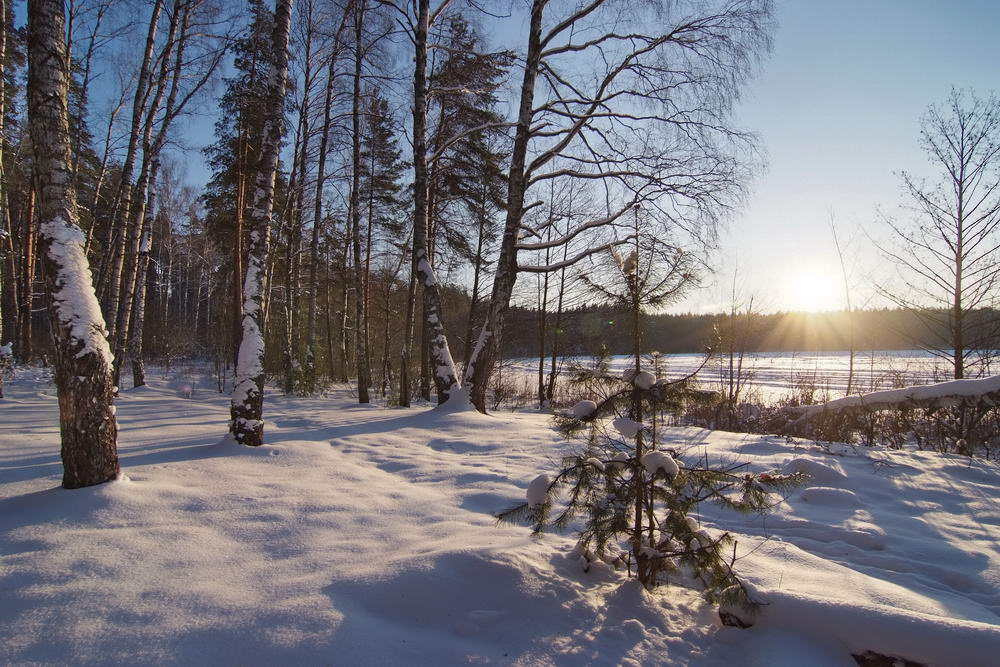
(775, 375)
(363, 536)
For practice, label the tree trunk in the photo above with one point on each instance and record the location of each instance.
(137, 207)
(311, 335)
(443, 366)
(123, 199)
(25, 351)
(247, 408)
(360, 302)
(484, 355)
(82, 356)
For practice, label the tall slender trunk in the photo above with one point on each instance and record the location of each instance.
(407, 342)
(484, 355)
(288, 225)
(87, 421)
(123, 199)
(137, 211)
(477, 270)
(148, 206)
(360, 303)
(6, 282)
(444, 373)
(345, 293)
(311, 335)
(247, 407)
(25, 351)
(543, 310)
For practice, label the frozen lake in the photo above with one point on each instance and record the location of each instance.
(777, 374)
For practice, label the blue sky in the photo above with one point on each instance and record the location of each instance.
(837, 107)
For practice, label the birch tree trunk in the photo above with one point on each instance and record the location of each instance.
(137, 207)
(112, 279)
(247, 406)
(484, 355)
(82, 356)
(443, 366)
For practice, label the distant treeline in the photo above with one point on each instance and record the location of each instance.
(584, 330)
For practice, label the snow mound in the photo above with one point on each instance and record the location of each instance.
(537, 490)
(818, 472)
(825, 495)
(656, 460)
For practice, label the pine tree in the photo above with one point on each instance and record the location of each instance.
(631, 489)
(235, 155)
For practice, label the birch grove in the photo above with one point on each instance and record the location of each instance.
(379, 175)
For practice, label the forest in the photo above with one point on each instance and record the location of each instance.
(365, 219)
(265, 264)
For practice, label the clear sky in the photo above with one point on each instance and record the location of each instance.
(837, 107)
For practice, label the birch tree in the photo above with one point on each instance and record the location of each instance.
(247, 406)
(82, 355)
(637, 96)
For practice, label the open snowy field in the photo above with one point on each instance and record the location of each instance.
(776, 375)
(365, 536)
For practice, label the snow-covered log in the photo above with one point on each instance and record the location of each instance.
(82, 356)
(985, 390)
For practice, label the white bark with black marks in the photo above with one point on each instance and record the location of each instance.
(83, 358)
(247, 404)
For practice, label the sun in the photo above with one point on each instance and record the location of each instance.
(811, 290)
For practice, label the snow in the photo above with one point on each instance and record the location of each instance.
(941, 393)
(7, 350)
(424, 267)
(656, 460)
(367, 536)
(644, 380)
(74, 299)
(583, 409)
(538, 490)
(629, 428)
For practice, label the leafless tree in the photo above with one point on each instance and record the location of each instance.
(946, 247)
(636, 96)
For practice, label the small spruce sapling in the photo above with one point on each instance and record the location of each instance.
(628, 490)
(631, 491)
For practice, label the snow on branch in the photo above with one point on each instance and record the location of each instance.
(570, 235)
(985, 390)
(548, 268)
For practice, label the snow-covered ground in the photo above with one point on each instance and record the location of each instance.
(362, 535)
(776, 375)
